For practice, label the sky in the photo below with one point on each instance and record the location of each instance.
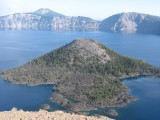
(96, 9)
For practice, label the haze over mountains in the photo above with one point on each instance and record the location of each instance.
(47, 12)
(132, 22)
(46, 19)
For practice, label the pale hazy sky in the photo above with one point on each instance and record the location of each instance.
(97, 9)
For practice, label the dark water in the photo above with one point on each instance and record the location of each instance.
(147, 107)
(23, 97)
(147, 90)
(18, 47)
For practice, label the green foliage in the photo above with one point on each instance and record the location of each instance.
(107, 90)
(72, 60)
(118, 66)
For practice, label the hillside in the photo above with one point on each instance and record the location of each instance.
(44, 115)
(86, 73)
(132, 23)
(46, 19)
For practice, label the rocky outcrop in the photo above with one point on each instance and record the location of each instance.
(112, 112)
(45, 19)
(44, 115)
(132, 23)
(46, 107)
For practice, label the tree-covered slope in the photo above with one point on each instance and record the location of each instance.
(86, 73)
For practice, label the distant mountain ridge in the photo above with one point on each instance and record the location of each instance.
(47, 12)
(132, 22)
(46, 19)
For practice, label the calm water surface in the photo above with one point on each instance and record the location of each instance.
(23, 97)
(18, 47)
(146, 89)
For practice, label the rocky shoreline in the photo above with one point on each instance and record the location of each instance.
(119, 101)
(44, 115)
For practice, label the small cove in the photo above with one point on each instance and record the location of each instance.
(30, 98)
(23, 97)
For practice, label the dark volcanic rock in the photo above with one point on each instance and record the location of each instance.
(112, 112)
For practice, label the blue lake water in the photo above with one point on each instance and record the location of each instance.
(146, 89)
(23, 97)
(18, 47)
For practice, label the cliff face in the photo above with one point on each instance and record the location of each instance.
(131, 23)
(45, 19)
(44, 115)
